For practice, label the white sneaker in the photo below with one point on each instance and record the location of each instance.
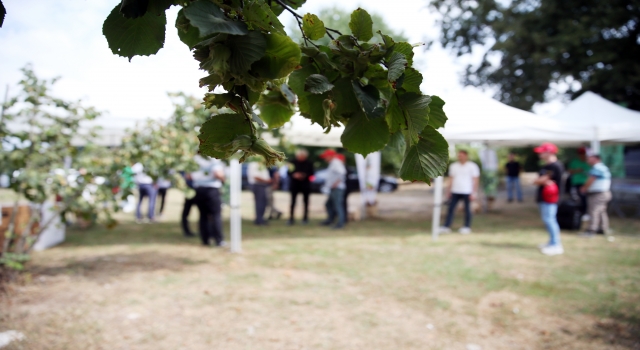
(464, 230)
(586, 217)
(543, 245)
(552, 250)
(444, 229)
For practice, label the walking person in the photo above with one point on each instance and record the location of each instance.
(163, 186)
(189, 201)
(598, 191)
(274, 213)
(463, 186)
(579, 170)
(549, 183)
(300, 183)
(335, 186)
(146, 188)
(259, 180)
(207, 182)
(513, 168)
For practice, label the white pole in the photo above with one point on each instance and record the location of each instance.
(235, 186)
(437, 204)
(595, 142)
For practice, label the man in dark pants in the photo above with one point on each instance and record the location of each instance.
(186, 209)
(463, 186)
(300, 183)
(207, 182)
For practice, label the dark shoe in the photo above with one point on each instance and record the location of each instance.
(291, 223)
(305, 222)
(263, 223)
(278, 216)
(326, 223)
(510, 200)
(189, 235)
(337, 227)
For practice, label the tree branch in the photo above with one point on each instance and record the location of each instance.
(298, 19)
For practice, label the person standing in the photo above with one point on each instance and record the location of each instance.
(207, 182)
(146, 188)
(163, 186)
(274, 213)
(259, 180)
(464, 175)
(579, 170)
(598, 191)
(513, 169)
(549, 183)
(335, 186)
(299, 183)
(186, 208)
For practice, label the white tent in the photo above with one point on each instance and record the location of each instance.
(475, 117)
(600, 119)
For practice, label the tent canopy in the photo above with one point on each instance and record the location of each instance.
(602, 119)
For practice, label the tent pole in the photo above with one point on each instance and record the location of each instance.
(595, 142)
(235, 184)
(437, 205)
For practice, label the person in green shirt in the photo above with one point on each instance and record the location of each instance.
(579, 170)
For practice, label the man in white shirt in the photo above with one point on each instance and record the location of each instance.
(146, 188)
(335, 185)
(259, 180)
(464, 176)
(207, 182)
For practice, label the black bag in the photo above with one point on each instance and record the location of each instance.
(569, 215)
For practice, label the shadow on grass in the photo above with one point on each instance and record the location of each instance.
(508, 245)
(105, 267)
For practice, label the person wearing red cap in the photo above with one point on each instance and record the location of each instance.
(549, 183)
(335, 185)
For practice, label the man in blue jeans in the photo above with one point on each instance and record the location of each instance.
(464, 175)
(550, 173)
(513, 168)
(335, 185)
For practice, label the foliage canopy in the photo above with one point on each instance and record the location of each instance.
(547, 47)
(258, 72)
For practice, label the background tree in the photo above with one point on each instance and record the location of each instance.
(38, 133)
(367, 85)
(548, 47)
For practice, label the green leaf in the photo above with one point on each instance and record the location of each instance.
(221, 129)
(275, 109)
(299, 76)
(158, 7)
(416, 111)
(395, 116)
(317, 84)
(209, 19)
(134, 8)
(344, 98)
(211, 81)
(396, 65)
(361, 25)
(282, 56)
(397, 142)
(311, 106)
(218, 100)
(245, 50)
(187, 33)
(427, 159)
(127, 37)
(406, 49)
(257, 14)
(369, 98)
(437, 118)
(364, 136)
(312, 26)
(218, 62)
(412, 80)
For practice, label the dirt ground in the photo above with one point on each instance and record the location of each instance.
(380, 284)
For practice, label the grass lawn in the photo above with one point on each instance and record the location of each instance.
(376, 285)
